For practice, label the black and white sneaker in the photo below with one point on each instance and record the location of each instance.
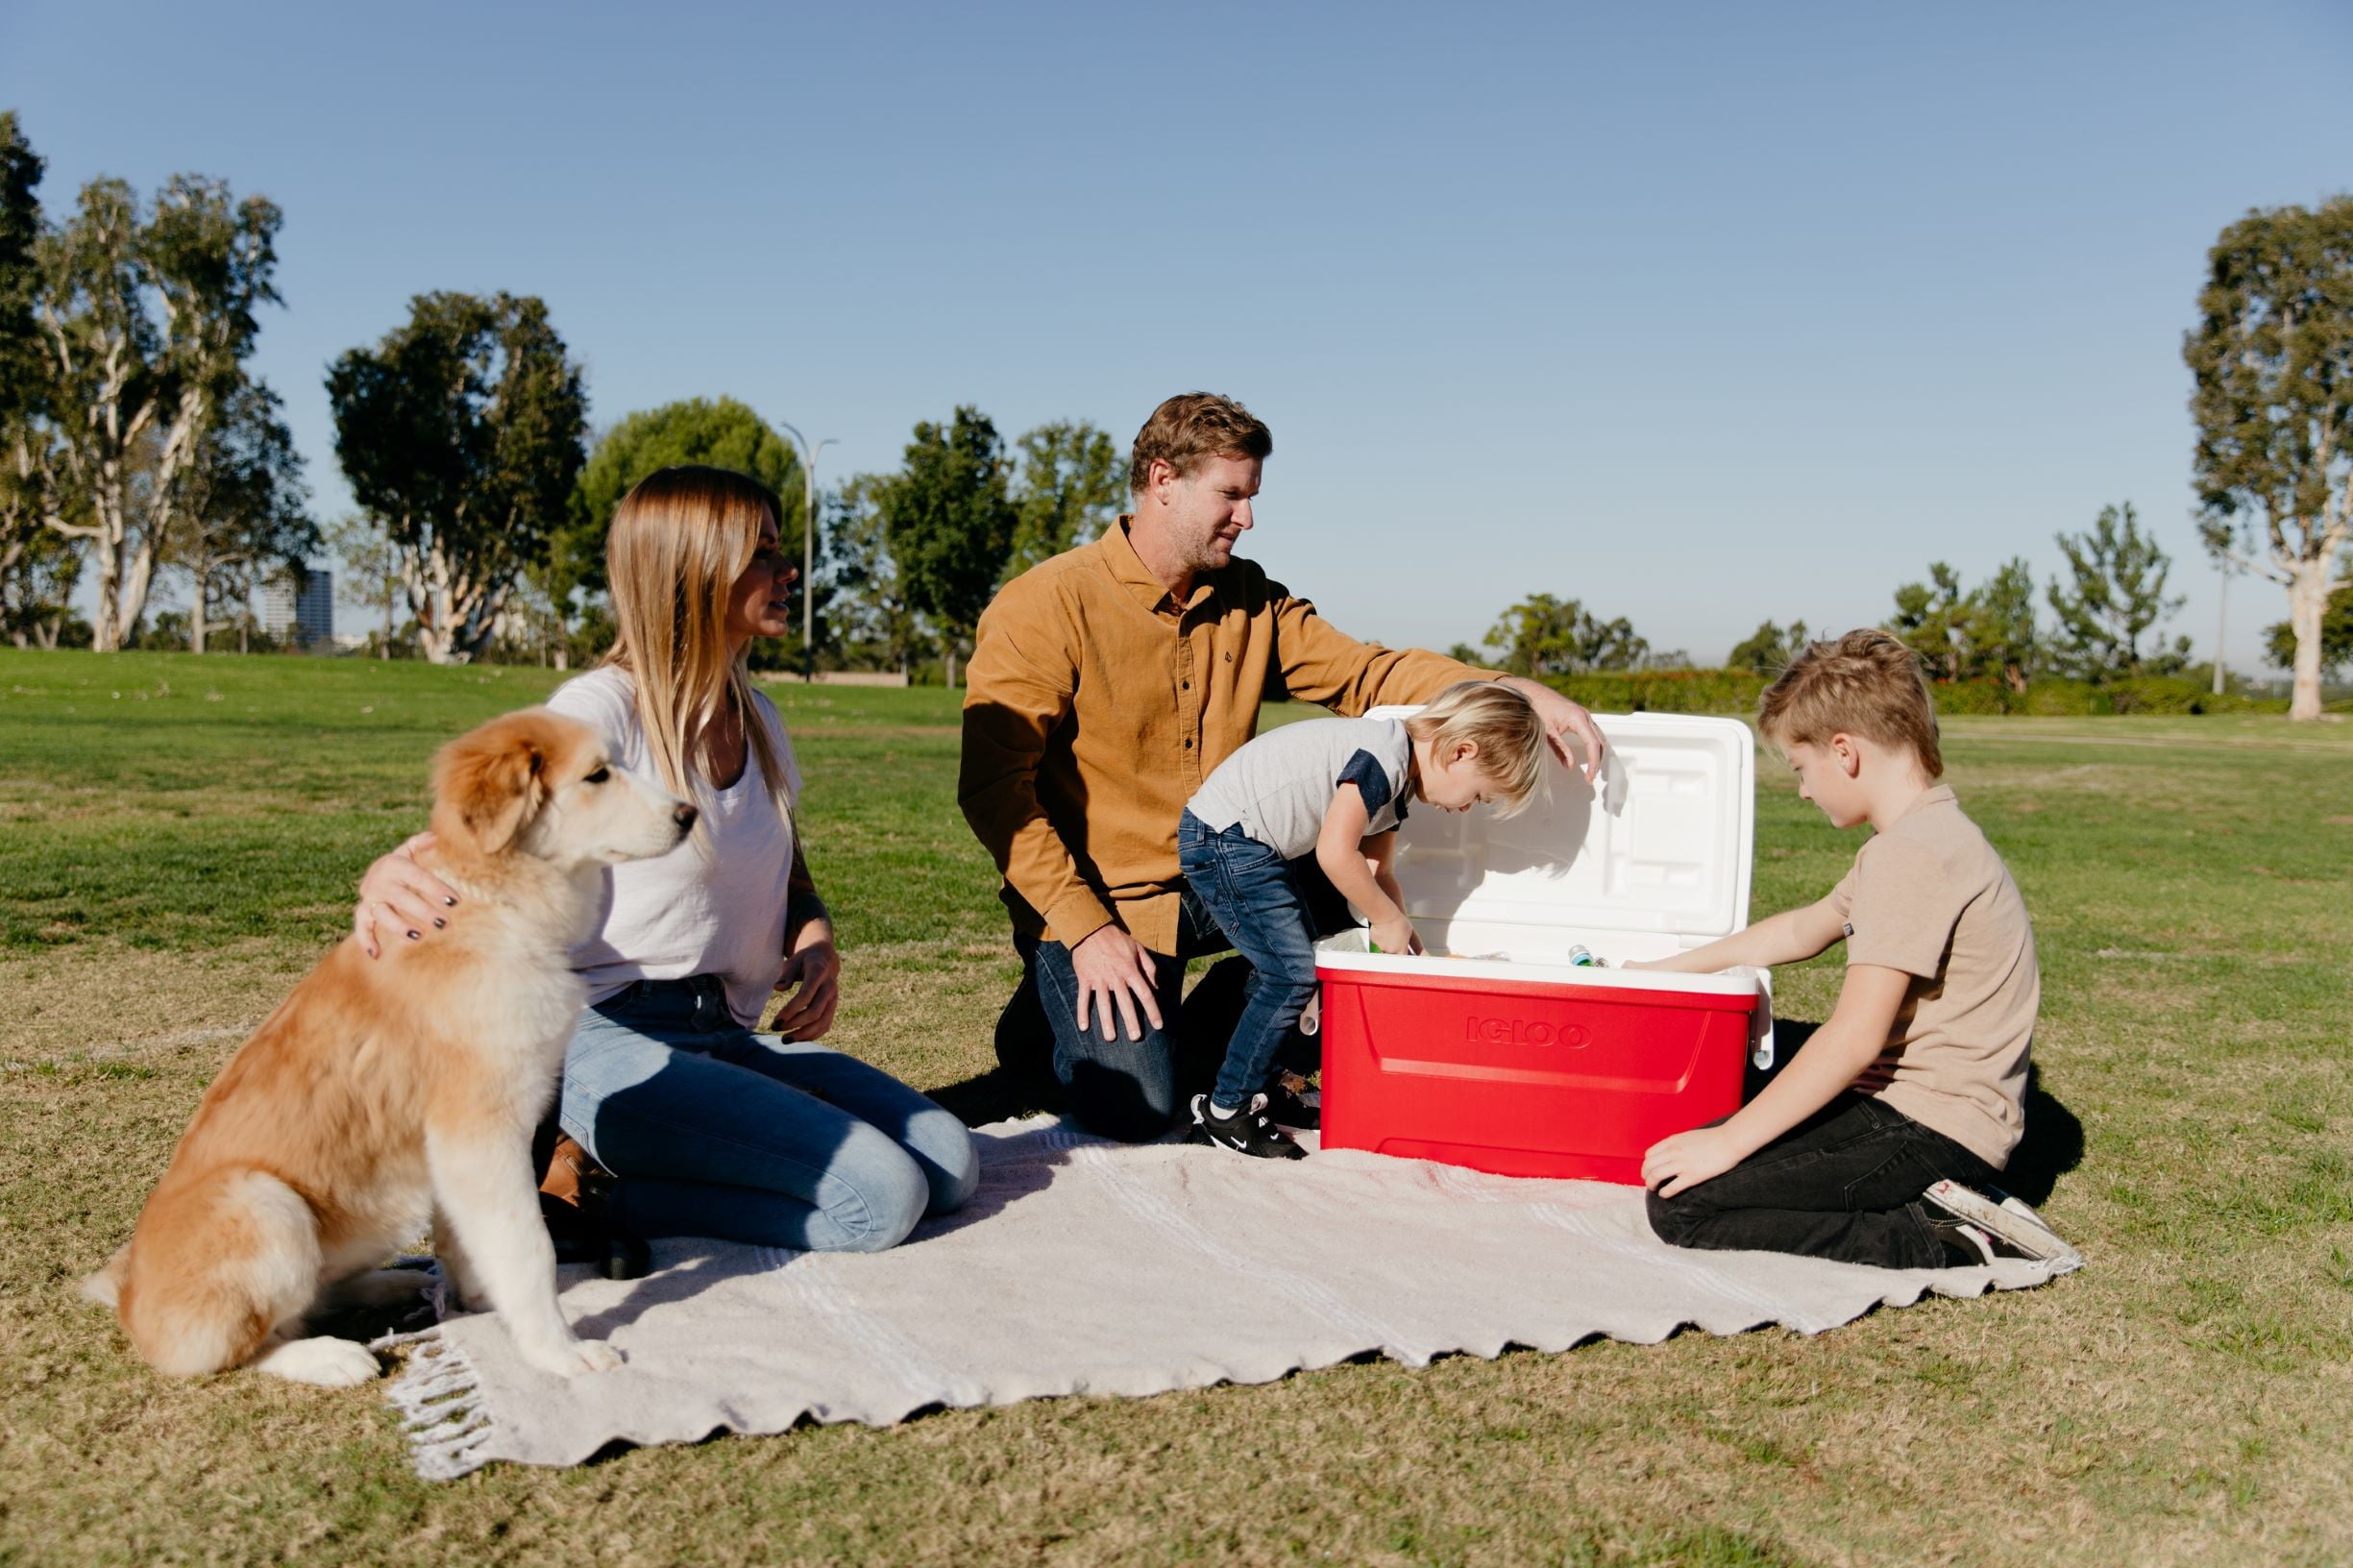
(1966, 1245)
(1247, 1131)
(2008, 1220)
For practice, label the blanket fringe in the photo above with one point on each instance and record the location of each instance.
(439, 1397)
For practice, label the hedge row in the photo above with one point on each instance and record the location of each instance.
(1737, 690)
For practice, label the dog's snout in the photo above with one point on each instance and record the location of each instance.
(684, 816)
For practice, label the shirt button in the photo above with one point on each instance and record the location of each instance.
(1188, 745)
(1185, 685)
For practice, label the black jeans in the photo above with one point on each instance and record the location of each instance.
(1844, 1184)
(1136, 1090)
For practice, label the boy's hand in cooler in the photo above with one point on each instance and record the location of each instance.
(1397, 936)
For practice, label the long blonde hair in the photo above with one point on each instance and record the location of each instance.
(679, 540)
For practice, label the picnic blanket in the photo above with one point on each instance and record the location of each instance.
(1083, 1266)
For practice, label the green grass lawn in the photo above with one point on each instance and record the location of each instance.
(179, 837)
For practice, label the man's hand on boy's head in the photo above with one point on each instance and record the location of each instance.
(1688, 1158)
(1564, 718)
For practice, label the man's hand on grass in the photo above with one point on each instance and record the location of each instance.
(398, 898)
(1113, 968)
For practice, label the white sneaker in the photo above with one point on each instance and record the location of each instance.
(2007, 1221)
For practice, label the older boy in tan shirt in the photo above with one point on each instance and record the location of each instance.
(1878, 1143)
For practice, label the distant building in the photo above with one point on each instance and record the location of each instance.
(305, 617)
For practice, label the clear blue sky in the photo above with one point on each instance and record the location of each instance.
(1702, 314)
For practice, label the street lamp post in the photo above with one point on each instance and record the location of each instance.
(808, 548)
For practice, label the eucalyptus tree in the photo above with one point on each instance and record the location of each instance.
(144, 317)
(247, 513)
(948, 520)
(461, 433)
(37, 568)
(2271, 359)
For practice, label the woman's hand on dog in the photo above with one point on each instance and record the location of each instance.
(399, 898)
(812, 981)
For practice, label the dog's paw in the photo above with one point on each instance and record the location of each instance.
(578, 1357)
(327, 1363)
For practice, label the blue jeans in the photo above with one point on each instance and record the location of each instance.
(1251, 891)
(1120, 1088)
(716, 1131)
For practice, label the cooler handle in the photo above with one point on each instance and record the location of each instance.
(1760, 1022)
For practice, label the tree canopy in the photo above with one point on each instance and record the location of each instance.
(1768, 649)
(719, 432)
(2119, 578)
(2271, 362)
(1070, 484)
(948, 517)
(1986, 632)
(462, 433)
(1542, 635)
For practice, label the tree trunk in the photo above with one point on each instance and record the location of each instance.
(2306, 605)
(196, 610)
(949, 652)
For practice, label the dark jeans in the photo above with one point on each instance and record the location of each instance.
(1136, 1090)
(1259, 905)
(1844, 1184)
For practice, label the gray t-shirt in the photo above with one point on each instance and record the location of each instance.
(1280, 785)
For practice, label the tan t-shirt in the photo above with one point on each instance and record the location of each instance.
(1929, 897)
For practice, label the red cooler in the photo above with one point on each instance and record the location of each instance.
(1496, 1051)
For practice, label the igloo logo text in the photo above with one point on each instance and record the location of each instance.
(1509, 1030)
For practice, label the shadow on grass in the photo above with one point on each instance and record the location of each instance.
(2053, 1147)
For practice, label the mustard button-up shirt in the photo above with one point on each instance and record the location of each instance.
(1097, 705)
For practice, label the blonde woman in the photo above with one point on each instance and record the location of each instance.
(710, 1128)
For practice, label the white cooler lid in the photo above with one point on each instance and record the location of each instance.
(1664, 845)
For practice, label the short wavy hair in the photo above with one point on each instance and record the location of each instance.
(1866, 683)
(1192, 426)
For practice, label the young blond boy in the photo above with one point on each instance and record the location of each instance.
(1879, 1140)
(1333, 788)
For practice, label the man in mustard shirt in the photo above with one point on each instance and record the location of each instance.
(1104, 686)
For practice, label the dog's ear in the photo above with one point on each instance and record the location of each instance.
(492, 782)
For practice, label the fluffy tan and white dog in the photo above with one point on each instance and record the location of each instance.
(386, 1091)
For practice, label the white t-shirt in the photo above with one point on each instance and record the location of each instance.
(714, 905)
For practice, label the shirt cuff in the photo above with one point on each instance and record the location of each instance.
(1076, 917)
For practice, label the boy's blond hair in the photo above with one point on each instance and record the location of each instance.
(1866, 683)
(1505, 727)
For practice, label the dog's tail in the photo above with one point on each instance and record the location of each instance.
(106, 1287)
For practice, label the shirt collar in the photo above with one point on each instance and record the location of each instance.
(1941, 795)
(1127, 568)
